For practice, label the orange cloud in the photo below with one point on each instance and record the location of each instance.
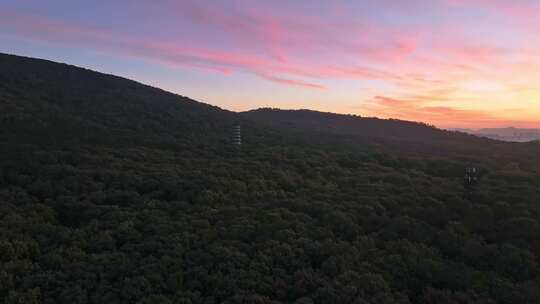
(419, 110)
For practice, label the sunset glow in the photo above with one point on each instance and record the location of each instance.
(451, 63)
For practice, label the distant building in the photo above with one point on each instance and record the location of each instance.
(236, 138)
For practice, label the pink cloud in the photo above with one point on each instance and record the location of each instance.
(281, 37)
(272, 69)
(294, 33)
(293, 82)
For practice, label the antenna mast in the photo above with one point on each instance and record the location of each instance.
(236, 138)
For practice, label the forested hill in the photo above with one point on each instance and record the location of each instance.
(53, 102)
(115, 192)
(408, 137)
(47, 102)
(348, 124)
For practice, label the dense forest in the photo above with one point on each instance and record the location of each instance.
(116, 192)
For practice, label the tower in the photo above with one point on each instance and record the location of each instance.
(470, 180)
(236, 137)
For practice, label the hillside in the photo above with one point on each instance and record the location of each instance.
(48, 102)
(115, 192)
(348, 124)
(401, 137)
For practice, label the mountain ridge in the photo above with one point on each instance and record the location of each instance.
(341, 126)
(82, 105)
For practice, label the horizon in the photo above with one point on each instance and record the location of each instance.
(372, 58)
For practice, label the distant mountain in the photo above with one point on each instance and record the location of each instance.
(506, 134)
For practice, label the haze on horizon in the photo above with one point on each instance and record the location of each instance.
(451, 63)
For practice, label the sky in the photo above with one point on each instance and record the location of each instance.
(450, 63)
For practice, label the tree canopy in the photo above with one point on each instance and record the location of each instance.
(115, 192)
